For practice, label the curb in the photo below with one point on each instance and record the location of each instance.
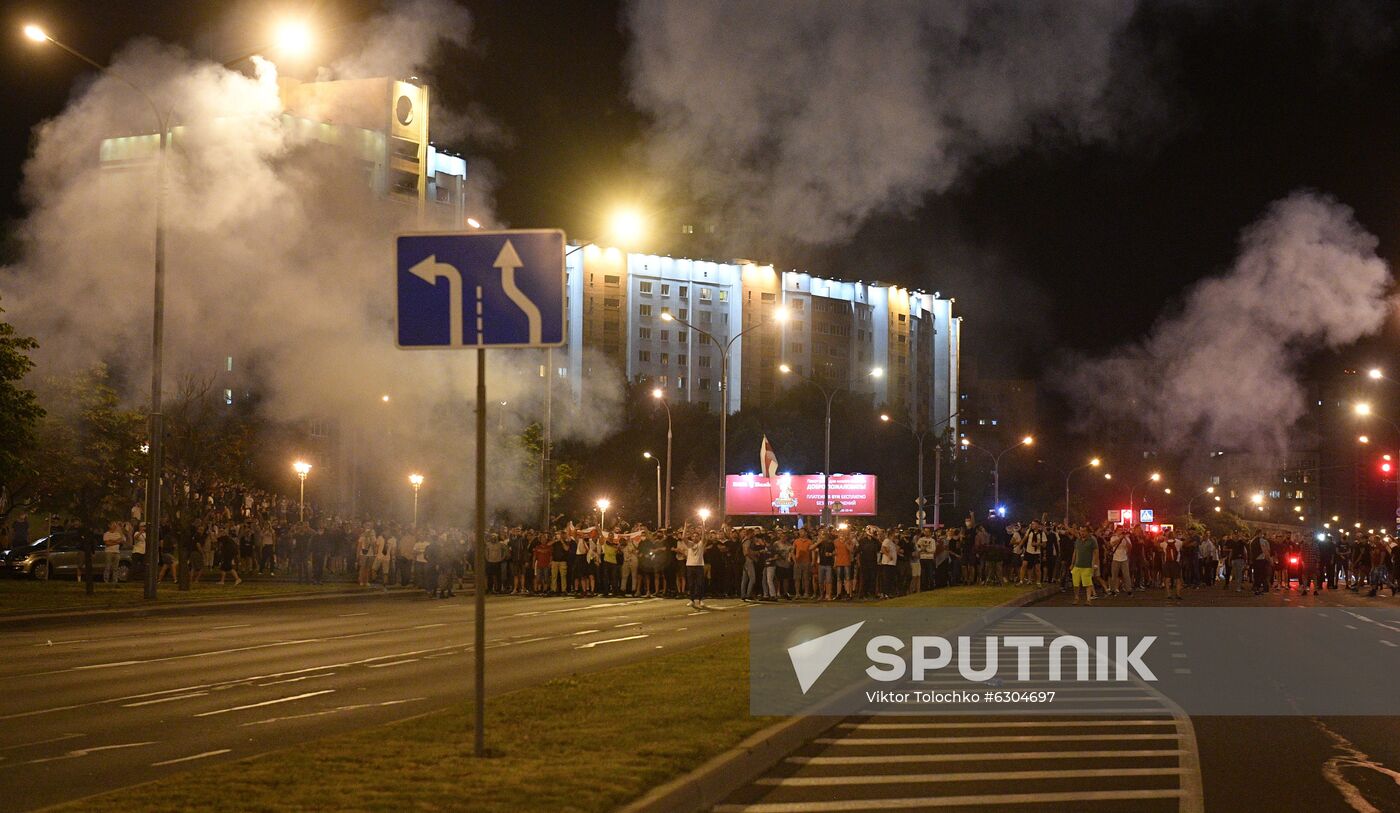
(709, 784)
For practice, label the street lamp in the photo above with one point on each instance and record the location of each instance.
(1132, 492)
(415, 480)
(786, 369)
(967, 443)
(779, 317)
(1094, 463)
(156, 419)
(1210, 490)
(665, 520)
(602, 504)
(1364, 409)
(938, 461)
(302, 468)
(648, 456)
(293, 37)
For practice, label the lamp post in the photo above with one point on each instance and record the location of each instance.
(786, 369)
(1132, 492)
(289, 36)
(1210, 490)
(938, 467)
(415, 480)
(649, 456)
(1364, 409)
(602, 504)
(724, 348)
(1094, 462)
(302, 468)
(665, 520)
(1028, 440)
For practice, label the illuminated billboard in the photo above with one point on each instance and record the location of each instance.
(799, 494)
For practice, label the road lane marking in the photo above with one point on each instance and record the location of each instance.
(82, 752)
(586, 632)
(61, 643)
(1387, 643)
(335, 710)
(392, 663)
(190, 758)
(631, 624)
(231, 626)
(59, 738)
(429, 626)
(351, 615)
(993, 756)
(163, 700)
(92, 666)
(296, 679)
(592, 644)
(969, 776)
(265, 703)
(1005, 799)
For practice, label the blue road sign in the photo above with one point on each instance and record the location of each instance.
(481, 289)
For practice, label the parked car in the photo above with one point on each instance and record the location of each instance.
(60, 556)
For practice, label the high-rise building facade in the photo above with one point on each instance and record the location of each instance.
(899, 346)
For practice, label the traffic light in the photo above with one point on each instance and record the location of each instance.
(1387, 465)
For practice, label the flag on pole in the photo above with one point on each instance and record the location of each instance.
(767, 460)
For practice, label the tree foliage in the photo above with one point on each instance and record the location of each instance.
(20, 415)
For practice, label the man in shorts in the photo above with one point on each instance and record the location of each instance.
(1086, 549)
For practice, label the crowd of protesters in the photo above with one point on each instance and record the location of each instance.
(242, 531)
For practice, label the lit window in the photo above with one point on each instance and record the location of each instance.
(665, 359)
(230, 364)
(705, 294)
(228, 397)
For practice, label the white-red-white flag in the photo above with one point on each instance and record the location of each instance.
(767, 460)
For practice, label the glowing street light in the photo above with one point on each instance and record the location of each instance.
(996, 463)
(1154, 477)
(1362, 408)
(626, 226)
(302, 468)
(293, 37)
(603, 504)
(1375, 373)
(415, 480)
(1093, 463)
(35, 33)
(664, 515)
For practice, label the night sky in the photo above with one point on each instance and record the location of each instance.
(1056, 248)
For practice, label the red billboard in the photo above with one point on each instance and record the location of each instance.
(755, 495)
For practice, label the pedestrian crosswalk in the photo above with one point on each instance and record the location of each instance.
(1108, 748)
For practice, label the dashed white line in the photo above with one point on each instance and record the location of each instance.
(82, 752)
(191, 758)
(392, 663)
(265, 703)
(231, 626)
(163, 700)
(296, 679)
(592, 644)
(586, 632)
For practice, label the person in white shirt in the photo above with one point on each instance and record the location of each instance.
(927, 548)
(1121, 578)
(889, 558)
(111, 550)
(694, 547)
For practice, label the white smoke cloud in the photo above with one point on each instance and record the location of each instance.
(1222, 373)
(278, 255)
(806, 118)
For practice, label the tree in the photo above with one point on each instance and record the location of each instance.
(20, 414)
(88, 459)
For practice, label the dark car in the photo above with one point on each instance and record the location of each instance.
(60, 555)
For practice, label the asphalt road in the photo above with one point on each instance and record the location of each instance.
(93, 705)
(1319, 764)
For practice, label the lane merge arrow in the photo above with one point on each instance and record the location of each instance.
(509, 260)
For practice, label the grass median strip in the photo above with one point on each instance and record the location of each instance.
(588, 742)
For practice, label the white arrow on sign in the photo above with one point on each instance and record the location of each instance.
(430, 271)
(508, 260)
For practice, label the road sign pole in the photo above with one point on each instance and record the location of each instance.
(479, 559)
